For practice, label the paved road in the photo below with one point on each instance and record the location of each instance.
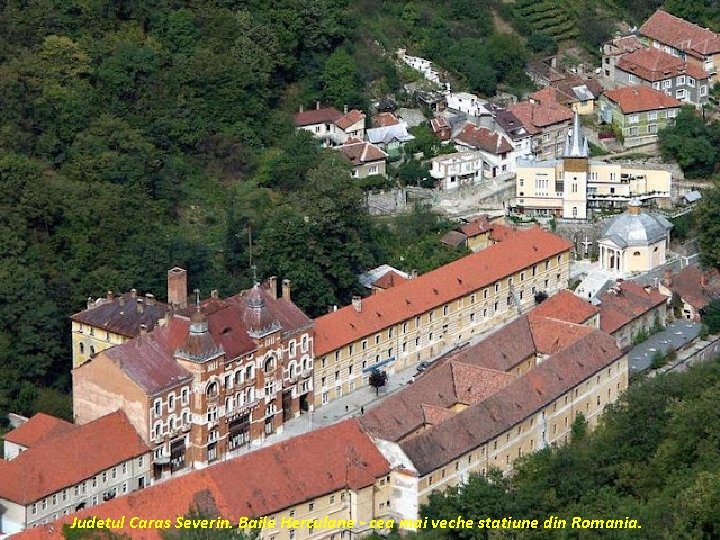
(677, 334)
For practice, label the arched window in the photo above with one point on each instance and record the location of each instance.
(238, 377)
(292, 368)
(269, 364)
(171, 423)
(212, 389)
(158, 429)
(291, 348)
(249, 372)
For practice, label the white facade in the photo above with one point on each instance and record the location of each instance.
(420, 64)
(467, 103)
(453, 171)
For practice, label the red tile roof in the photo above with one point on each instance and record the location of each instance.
(484, 139)
(696, 287)
(681, 34)
(476, 226)
(388, 280)
(439, 123)
(352, 117)
(536, 116)
(625, 44)
(566, 306)
(450, 383)
(386, 119)
(271, 479)
(326, 115)
(125, 314)
(632, 99)
(521, 249)
(512, 403)
(361, 152)
(553, 335)
(625, 303)
(453, 238)
(38, 429)
(651, 64)
(69, 458)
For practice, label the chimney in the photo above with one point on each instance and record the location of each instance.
(413, 273)
(109, 295)
(133, 293)
(345, 109)
(89, 302)
(140, 305)
(143, 329)
(150, 299)
(272, 286)
(357, 303)
(214, 293)
(286, 289)
(302, 109)
(177, 288)
(317, 104)
(121, 300)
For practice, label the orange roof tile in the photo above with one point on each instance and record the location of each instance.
(348, 119)
(632, 99)
(681, 34)
(521, 249)
(553, 335)
(476, 226)
(696, 287)
(70, 458)
(484, 139)
(326, 115)
(38, 429)
(566, 306)
(651, 64)
(386, 119)
(361, 152)
(273, 478)
(388, 280)
(625, 303)
(536, 116)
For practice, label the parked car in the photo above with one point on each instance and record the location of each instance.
(422, 366)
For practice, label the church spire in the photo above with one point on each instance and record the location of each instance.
(576, 144)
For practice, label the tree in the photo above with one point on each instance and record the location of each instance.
(541, 43)
(711, 316)
(377, 380)
(707, 218)
(341, 81)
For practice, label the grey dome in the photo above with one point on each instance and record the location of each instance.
(637, 229)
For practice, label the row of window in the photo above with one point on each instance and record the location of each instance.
(102, 479)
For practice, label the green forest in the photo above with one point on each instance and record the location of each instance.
(655, 457)
(139, 135)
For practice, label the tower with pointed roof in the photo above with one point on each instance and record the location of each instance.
(575, 168)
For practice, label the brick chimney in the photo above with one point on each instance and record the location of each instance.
(272, 286)
(140, 305)
(177, 288)
(302, 109)
(286, 289)
(317, 105)
(357, 303)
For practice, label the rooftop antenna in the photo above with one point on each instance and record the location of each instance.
(197, 299)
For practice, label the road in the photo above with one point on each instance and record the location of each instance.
(677, 334)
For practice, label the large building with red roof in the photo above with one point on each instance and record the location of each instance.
(219, 376)
(423, 317)
(684, 39)
(65, 468)
(331, 126)
(336, 473)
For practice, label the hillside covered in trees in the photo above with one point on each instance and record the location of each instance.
(654, 458)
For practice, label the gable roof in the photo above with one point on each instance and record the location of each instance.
(453, 238)
(535, 116)
(511, 125)
(326, 115)
(350, 118)
(125, 314)
(387, 134)
(260, 483)
(566, 306)
(512, 403)
(70, 458)
(632, 99)
(39, 428)
(439, 123)
(695, 286)
(652, 64)
(484, 139)
(386, 119)
(361, 152)
(519, 249)
(389, 279)
(624, 44)
(476, 226)
(626, 302)
(681, 34)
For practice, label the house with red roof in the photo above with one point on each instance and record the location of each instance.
(547, 122)
(694, 287)
(331, 126)
(220, 376)
(496, 149)
(366, 158)
(421, 318)
(676, 36)
(66, 468)
(332, 474)
(638, 112)
(515, 392)
(678, 78)
(32, 432)
(616, 48)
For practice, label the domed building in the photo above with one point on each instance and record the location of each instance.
(634, 241)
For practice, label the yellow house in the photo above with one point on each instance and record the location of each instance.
(424, 317)
(634, 241)
(575, 186)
